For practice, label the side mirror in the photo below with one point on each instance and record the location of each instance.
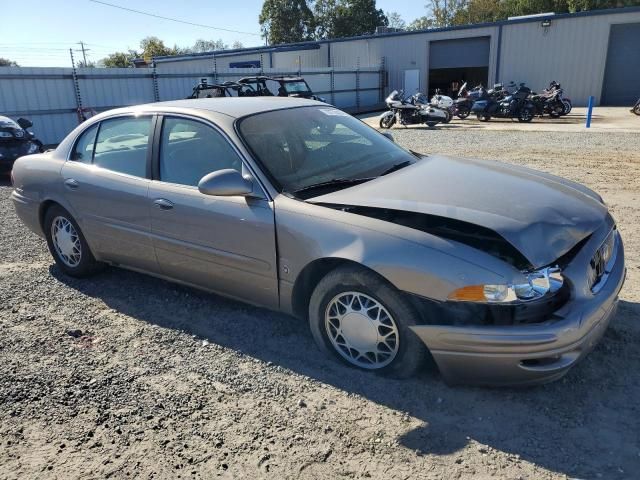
(389, 136)
(225, 183)
(24, 123)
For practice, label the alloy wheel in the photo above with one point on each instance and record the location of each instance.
(66, 241)
(361, 330)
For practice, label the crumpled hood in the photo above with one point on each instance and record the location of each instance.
(540, 215)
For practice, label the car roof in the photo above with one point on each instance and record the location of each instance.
(235, 107)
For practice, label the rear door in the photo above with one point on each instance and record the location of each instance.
(106, 181)
(224, 244)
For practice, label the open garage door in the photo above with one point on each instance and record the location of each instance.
(452, 62)
(620, 86)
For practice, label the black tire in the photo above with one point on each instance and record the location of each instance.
(636, 109)
(567, 107)
(463, 113)
(431, 124)
(483, 118)
(387, 122)
(526, 114)
(411, 352)
(448, 117)
(87, 264)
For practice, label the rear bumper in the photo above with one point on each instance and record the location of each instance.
(526, 354)
(27, 210)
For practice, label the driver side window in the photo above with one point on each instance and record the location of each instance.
(189, 150)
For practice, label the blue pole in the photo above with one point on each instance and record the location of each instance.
(590, 110)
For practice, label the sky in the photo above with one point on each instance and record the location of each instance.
(40, 32)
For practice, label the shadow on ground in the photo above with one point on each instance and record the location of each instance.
(585, 425)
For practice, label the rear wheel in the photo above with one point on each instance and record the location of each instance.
(387, 121)
(526, 114)
(359, 319)
(463, 112)
(68, 245)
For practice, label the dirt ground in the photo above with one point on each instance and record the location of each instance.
(125, 376)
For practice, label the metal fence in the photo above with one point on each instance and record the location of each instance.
(54, 98)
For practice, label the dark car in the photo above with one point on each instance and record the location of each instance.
(16, 141)
(281, 86)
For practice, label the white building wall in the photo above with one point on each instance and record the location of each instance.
(572, 51)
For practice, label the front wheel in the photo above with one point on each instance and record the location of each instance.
(525, 115)
(636, 109)
(387, 121)
(359, 319)
(68, 245)
(566, 107)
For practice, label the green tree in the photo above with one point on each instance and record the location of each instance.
(119, 59)
(154, 47)
(396, 21)
(357, 17)
(286, 21)
(208, 46)
(421, 23)
(325, 12)
(5, 62)
(237, 44)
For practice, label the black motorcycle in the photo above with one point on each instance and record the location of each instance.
(410, 111)
(500, 103)
(636, 108)
(551, 101)
(16, 141)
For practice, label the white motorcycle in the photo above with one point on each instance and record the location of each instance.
(445, 103)
(410, 111)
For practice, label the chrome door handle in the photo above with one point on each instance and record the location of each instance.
(71, 183)
(163, 204)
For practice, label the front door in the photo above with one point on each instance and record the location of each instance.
(224, 244)
(106, 182)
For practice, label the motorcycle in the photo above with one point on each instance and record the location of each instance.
(445, 103)
(466, 98)
(551, 101)
(500, 103)
(636, 108)
(16, 141)
(410, 112)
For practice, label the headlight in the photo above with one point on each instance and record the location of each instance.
(6, 135)
(539, 283)
(33, 148)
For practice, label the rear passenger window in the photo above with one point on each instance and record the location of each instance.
(122, 145)
(83, 151)
(189, 150)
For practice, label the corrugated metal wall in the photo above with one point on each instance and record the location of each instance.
(572, 51)
(47, 96)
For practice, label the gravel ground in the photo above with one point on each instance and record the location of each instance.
(127, 376)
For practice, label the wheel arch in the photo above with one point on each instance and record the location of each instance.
(309, 277)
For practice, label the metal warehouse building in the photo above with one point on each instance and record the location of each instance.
(591, 53)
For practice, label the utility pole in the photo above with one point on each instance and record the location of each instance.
(84, 54)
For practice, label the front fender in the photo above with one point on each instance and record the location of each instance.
(411, 260)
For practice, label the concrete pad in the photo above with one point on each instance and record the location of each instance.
(609, 119)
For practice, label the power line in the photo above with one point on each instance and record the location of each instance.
(173, 19)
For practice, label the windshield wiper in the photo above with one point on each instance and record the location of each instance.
(396, 167)
(334, 181)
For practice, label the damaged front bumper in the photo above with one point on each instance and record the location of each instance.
(532, 353)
